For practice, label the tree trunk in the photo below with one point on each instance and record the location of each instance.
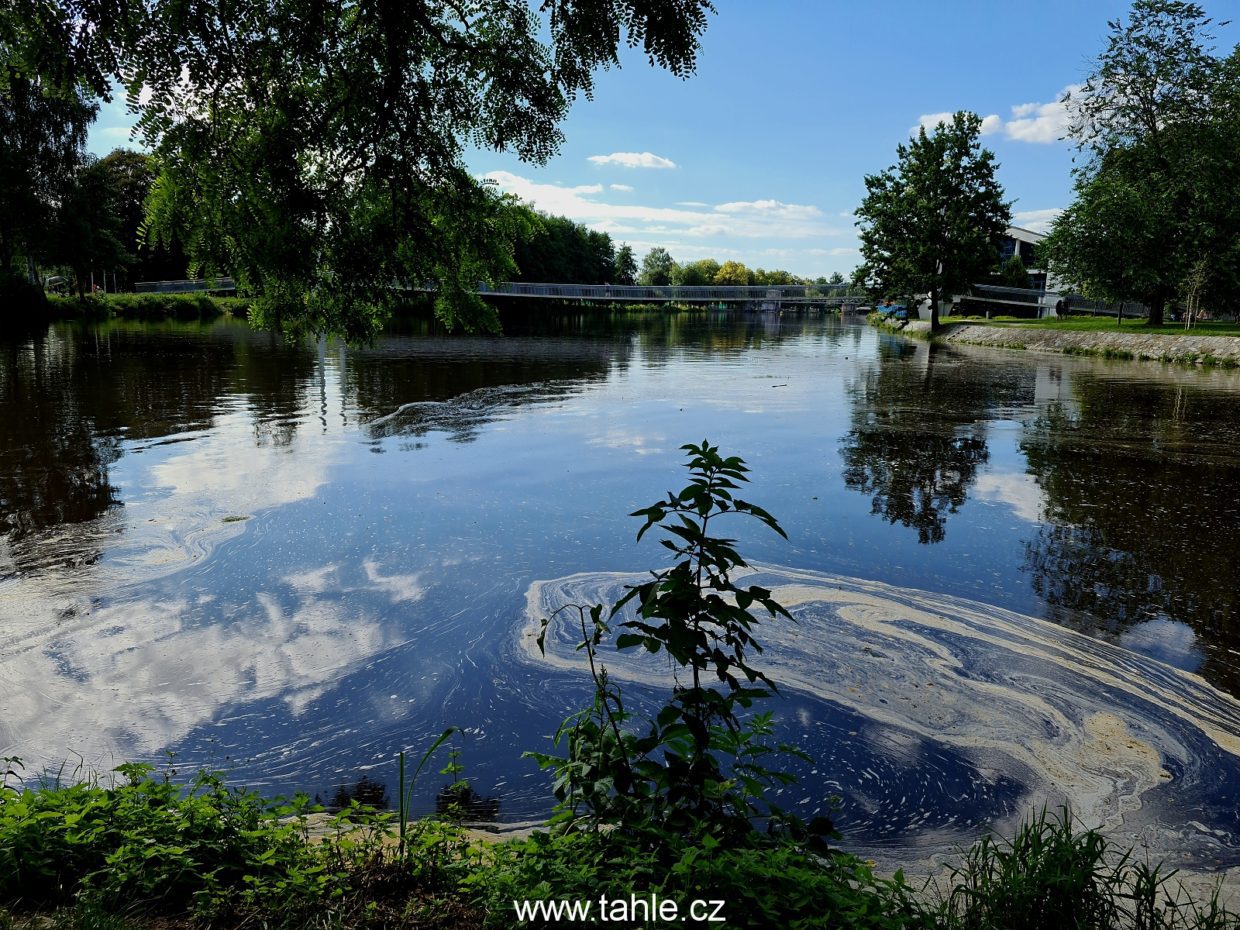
(934, 310)
(1157, 302)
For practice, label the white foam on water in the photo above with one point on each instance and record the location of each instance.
(1130, 744)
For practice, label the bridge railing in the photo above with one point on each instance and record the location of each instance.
(687, 293)
(185, 286)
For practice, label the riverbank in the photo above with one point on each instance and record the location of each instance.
(1131, 344)
(149, 854)
(147, 306)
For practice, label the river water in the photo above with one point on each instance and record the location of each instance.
(1015, 575)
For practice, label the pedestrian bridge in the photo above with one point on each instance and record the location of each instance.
(762, 296)
(818, 294)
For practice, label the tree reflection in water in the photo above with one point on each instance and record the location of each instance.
(1142, 516)
(918, 436)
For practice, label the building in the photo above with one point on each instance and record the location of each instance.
(1024, 242)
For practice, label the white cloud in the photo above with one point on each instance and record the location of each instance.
(755, 219)
(1017, 490)
(929, 121)
(623, 188)
(633, 160)
(1030, 122)
(1036, 220)
(125, 680)
(691, 203)
(1040, 122)
(398, 587)
(773, 208)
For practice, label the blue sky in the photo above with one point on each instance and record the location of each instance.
(761, 155)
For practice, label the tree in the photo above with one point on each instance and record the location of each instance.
(1116, 240)
(129, 176)
(1012, 273)
(776, 277)
(559, 249)
(657, 268)
(836, 278)
(928, 223)
(626, 265)
(43, 128)
(86, 231)
(315, 151)
(1159, 121)
(733, 273)
(696, 274)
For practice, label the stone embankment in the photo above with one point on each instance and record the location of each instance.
(1159, 347)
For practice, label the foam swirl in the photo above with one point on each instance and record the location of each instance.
(936, 716)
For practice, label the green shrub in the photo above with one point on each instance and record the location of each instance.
(147, 841)
(699, 769)
(759, 885)
(161, 306)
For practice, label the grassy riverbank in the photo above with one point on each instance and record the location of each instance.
(148, 306)
(147, 854)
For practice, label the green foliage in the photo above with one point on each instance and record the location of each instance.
(85, 233)
(1159, 119)
(225, 855)
(928, 223)
(43, 127)
(129, 177)
(1012, 273)
(696, 274)
(626, 265)
(1050, 875)
(142, 842)
(315, 151)
(698, 770)
(776, 277)
(760, 885)
(733, 273)
(559, 249)
(152, 306)
(657, 268)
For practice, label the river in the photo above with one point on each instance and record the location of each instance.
(1015, 574)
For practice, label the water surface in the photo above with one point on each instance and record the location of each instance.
(294, 561)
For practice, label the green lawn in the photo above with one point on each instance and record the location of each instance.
(1104, 323)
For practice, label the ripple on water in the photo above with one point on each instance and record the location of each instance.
(935, 716)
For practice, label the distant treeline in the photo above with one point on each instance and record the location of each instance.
(87, 232)
(562, 250)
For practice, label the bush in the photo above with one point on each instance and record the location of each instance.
(199, 306)
(161, 306)
(148, 842)
(19, 296)
(760, 885)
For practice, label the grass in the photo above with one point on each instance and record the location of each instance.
(147, 854)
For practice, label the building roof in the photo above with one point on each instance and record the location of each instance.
(1024, 235)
